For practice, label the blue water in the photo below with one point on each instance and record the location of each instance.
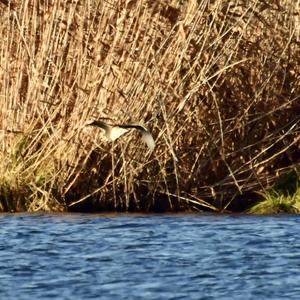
(79, 256)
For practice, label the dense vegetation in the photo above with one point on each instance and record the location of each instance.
(216, 82)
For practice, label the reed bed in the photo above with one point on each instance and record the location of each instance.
(216, 82)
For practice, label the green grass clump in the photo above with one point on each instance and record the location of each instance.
(274, 203)
(284, 197)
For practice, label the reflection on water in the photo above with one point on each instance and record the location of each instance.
(79, 256)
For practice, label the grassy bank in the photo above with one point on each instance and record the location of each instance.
(283, 197)
(216, 82)
(277, 203)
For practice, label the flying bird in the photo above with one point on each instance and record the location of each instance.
(114, 131)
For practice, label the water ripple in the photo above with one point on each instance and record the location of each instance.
(149, 257)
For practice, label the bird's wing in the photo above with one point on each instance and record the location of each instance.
(148, 139)
(146, 135)
(134, 126)
(100, 124)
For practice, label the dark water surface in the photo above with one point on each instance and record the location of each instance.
(79, 256)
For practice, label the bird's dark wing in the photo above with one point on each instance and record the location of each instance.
(134, 126)
(101, 124)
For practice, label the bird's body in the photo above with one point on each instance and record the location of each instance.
(114, 131)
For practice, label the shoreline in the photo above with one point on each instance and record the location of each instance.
(212, 88)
